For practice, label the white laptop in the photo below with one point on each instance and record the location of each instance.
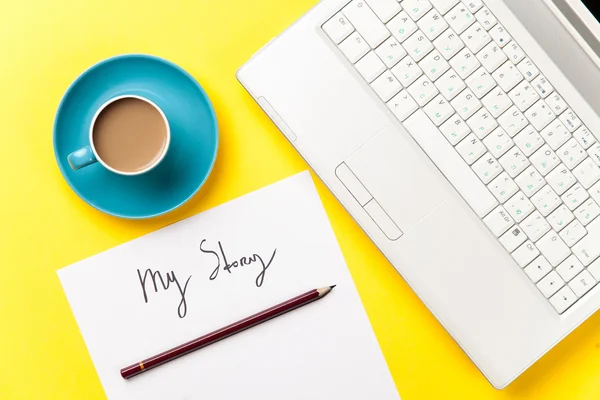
(464, 138)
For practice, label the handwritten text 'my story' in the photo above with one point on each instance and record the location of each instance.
(155, 280)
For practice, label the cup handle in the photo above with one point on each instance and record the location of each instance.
(82, 158)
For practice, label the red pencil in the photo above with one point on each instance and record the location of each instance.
(225, 332)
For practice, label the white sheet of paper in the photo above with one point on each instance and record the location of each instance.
(325, 350)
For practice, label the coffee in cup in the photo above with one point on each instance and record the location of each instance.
(129, 135)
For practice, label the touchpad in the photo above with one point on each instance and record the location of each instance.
(399, 178)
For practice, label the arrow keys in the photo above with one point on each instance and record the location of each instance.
(564, 299)
(550, 284)
(569, 268)
(538, 269)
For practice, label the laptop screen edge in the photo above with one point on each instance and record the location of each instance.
(588, 12)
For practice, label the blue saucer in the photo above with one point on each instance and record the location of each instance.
(194, 136)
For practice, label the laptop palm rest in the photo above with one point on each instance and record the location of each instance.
(392, 183)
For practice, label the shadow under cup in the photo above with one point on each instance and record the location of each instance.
(130, 135)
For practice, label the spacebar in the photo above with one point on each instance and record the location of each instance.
(450, 163)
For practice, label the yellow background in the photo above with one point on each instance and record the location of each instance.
(44, 45)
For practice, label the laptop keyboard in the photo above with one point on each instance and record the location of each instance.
(481, 109)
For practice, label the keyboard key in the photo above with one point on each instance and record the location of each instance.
(448, 44)
(492, 57)
(561, 179)
(434, 65)
(407, 71)
(573, 233)
(570, 120)
(354, 47)
(416, 8)
(439, 110)
(546, 200)
(575, 197)
(481, 83)
(465, 63)
(594, 269)
(525, 254)
(473, 5)
(584, 137)
(513, 121)
(487, 168)
(498, 142)
(560, 218)
(514, 162)
(385, 9)
(482, 124)
(588, 212)
(498, 221)
(476, 37)
(524, 96)
(500, 36)
(450, 85)
(466, 104)
(519, 207)
(370, 67)
(503, 188)
(497, 102)
(540, 115)
(508, 76)
(450, 164)
(528, 69)
(391, 52)
(550, 284)
(386, 86)
(553, 248)
(402, 105)
(556, 103)
(538, 269)
(460, 18)
(556, 135)
(512, 239)
(423, 91)
(432, 24)
(594, 153)
(402, 26)
(529, 141)
(535, 226)
(444, 5)
(338, 28)
(542, 86)
(514, 52)
(455, 129)
(583, 283)
(530, 181)
(563, 299)
(595, 192)
(486, 18)
(471, 149)
(572, 154)
(587, 173)
(588, 249)
(418, 46)
(545, 160)
(569, 268)
(366, 22)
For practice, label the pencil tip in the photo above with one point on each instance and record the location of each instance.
(325, 290)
